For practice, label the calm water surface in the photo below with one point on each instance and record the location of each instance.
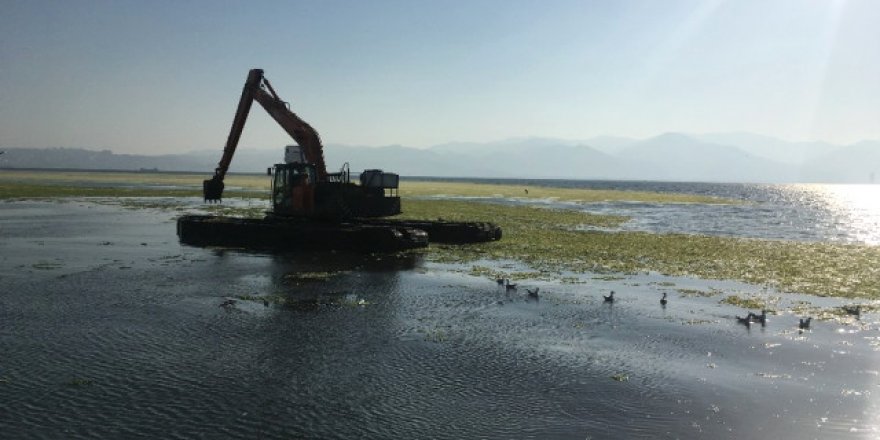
(110, 329)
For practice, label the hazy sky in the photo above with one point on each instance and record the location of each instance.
(164, 76)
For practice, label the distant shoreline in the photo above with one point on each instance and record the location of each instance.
(539, 181)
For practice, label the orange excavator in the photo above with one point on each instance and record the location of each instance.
(301, 186)
(312, 208)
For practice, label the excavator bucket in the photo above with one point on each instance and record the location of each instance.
(213, 189)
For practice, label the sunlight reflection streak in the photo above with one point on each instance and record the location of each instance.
(855, 209)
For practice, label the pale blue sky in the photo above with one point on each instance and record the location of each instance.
(165, 76)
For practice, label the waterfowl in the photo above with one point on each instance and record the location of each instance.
(663, 300)
(500, 281)
(754, 317)
(609, 298)
(855, 311)
(747, 321)
(533, 294)
(227, 303)
(805, 323)
(509, 286)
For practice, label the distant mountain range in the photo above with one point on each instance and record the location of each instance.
(720, 157)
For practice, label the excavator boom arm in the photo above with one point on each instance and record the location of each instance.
(255, 76)
(303, 133)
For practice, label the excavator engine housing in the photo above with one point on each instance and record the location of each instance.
(296, 192)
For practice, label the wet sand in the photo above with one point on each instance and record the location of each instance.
(111, 329)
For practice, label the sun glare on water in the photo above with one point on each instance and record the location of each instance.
(855, 208)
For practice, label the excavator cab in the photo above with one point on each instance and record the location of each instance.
(293, 189)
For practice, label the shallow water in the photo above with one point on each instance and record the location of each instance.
(803, 212)
(111, 329)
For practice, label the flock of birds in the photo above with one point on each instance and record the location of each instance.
(533, 294)
(804, 323)
(748, 320)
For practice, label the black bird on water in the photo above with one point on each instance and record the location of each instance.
(509, 286)
(609, 298)
(533, 294)
(853, 310)
(500, 281)
(762, 318)
(805, 323)
(752, 317)
(663, 300)
(227, 303)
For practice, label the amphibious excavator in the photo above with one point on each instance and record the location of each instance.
(312, 208)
